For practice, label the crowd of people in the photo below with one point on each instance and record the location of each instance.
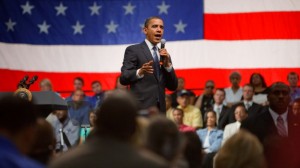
(138, 125)
(111, 129)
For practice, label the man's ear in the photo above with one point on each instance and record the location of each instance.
(145, 30)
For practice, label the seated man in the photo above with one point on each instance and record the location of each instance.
(97, 98)
(240, 114)
(78, 108)
(17, 132)
(66, 131)
(192, 115)
(178, 115)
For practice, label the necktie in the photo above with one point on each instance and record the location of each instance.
(280, 127)
(156, 62)
(247, 106)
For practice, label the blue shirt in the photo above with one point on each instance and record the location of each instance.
(215, 138)
(96, 100)
(79, 113)
(295, 94)
(10, 156)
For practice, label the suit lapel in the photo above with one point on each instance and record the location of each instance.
(148, 56)
(146, 51)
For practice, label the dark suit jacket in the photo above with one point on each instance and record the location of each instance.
(254, 110)
(223, 119)
(279, 151)
(149, 90)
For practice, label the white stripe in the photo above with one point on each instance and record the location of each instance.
(242, 6)
(185, 55)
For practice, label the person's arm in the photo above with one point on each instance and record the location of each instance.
(216, 141)
(170, 76)
(197, 119)
(199, 101)
(129, 68)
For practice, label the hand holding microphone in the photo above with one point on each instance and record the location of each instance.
(164, 55)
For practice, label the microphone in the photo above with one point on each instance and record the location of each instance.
(163, 43)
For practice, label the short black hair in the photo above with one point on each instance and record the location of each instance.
(150, 18)
(96, 81)
(16, 113)
(116, 116)
(80, 79)
(264, 84)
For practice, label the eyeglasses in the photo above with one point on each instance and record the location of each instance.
(209, 87)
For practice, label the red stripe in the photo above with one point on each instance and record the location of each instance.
(245, 26)
(195, 78)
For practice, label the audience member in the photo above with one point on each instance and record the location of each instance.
(78, 108)
(276, 129)
(180, 87)
(178, 116)
(260, 89)
(211, 138)
(163, 138)
(221, 110)
(78, 84)
(86, 129)
(205, 101)
(296, 107)
(169, 107)
(193, 150)
(234, 92)
(66, 131)
(110, 146)
(46, 85)
(97, 98)
(293, 79)
(43, 149)
(192, 115)
(192, 97)
(240, 114)
(17, 132)
(252, 108)
(242, 150)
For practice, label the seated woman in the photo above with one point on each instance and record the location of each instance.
(210, 136)
(86, 129)
(260, 89)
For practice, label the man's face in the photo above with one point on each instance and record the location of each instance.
(96, 87)
(154, 31)
(248, 93)
(235, 80)
(279, 98)
(209, 88)
(92, 118)
(78, 85)
(78, 96)
(180, 84)
(293, 80)
(296, 108)
(219, 97)
(240, 113)
(61, 114)
(183, 100)
(178, 116)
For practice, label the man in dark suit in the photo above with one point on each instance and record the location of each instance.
(148, 74)
(220, 109)
(252, 108)
(276, 129)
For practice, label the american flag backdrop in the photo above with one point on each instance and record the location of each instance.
(207, 39)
